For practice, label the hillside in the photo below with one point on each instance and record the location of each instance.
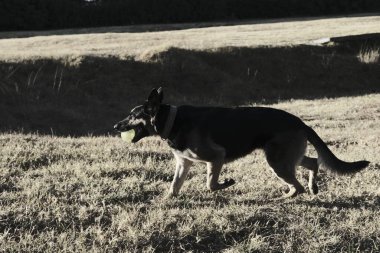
(62, 81)
(49, 96)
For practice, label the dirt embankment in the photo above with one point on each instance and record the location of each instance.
(89, 95)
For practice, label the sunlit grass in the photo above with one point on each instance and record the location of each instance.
(100, 194)
(369, 55)
(135, 42)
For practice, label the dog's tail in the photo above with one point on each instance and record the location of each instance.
(329, 160)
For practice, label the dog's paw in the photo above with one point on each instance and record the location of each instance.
(170, 195)
(229, 182)
(314, 189)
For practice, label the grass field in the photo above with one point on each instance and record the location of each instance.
(101, 194)
(68, 183)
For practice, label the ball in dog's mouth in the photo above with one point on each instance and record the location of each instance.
(128, 136)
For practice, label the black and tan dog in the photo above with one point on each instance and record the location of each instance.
(215, 135)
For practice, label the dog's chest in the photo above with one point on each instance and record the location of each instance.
(188, 154)
(179, 143)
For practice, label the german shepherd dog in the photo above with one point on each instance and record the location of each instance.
(216, 135)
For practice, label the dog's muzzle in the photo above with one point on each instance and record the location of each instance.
(118, 127)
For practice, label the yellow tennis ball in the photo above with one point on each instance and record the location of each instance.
(128, 135)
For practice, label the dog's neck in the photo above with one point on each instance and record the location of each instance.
(165, 120)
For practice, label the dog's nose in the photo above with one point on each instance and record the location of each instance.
(117, 126)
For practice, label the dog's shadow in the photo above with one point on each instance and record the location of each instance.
(144, 155)
(362, 202)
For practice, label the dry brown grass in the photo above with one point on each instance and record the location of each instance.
(123, 44)
(369, 55)
(98, 194)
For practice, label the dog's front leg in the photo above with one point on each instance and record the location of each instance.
(182, 168)
(213, 172)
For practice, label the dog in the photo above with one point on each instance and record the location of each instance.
(216, 135)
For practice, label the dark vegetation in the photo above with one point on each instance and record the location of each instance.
(57, 14)
(51, 96)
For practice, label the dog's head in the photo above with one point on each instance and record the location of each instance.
(142, 117)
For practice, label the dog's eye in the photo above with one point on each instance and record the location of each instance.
(139, 114)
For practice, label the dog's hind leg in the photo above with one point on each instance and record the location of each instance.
(182, 168)
(287, 174)
(312, 165)
(283, 154)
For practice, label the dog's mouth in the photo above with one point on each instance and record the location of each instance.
(140, 132)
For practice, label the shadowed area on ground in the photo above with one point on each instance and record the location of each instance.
(88, 95)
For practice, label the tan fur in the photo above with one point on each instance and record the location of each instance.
(284, 153)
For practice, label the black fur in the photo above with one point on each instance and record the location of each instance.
(216, 135)
(238, 130)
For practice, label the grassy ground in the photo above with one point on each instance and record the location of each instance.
(100, 194)
(126, 43)
(96, 193)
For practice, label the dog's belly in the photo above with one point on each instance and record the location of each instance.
(239, 147)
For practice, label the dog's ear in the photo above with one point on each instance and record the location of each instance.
(160, 94)
(154, 100)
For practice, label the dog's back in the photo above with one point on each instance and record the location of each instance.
(238, 130)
